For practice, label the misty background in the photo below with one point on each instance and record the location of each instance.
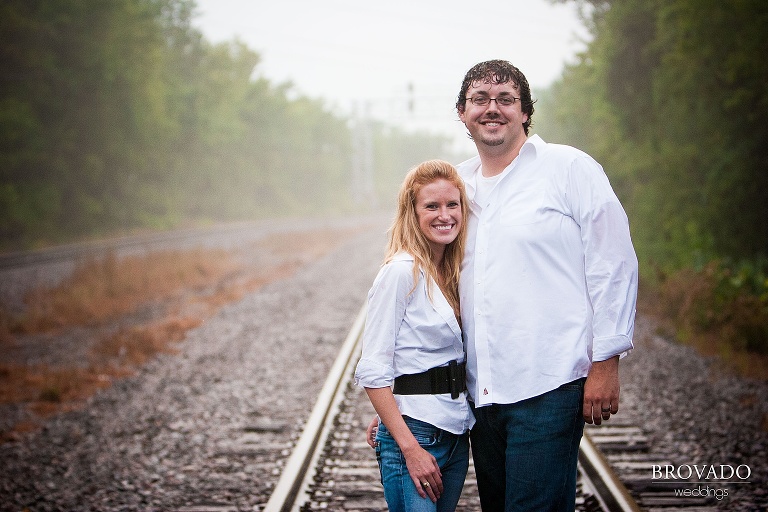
(398, 61)
(129, 115)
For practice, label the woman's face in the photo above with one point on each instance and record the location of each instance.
(438, 210)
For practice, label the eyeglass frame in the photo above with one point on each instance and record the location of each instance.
(496, 99)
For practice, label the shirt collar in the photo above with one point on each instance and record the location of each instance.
(469, 169)
(403, 256)
(535, 144)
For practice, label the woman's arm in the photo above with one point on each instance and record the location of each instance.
(422, 466)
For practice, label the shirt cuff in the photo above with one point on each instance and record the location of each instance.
(369, 374)
(606, 347)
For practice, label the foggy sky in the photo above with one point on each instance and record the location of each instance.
(373, 57)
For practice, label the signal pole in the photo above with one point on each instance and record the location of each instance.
(362, 186)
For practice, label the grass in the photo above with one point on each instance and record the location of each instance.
(715, 311)
(183, 288)
(102, 290)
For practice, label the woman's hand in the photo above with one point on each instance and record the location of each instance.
(425, 472)
(422, 466)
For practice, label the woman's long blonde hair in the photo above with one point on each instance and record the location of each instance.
(405, 235)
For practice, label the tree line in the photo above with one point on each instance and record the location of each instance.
(671, 96)
(117, 115)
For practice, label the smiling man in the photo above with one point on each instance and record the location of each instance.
(548, 290)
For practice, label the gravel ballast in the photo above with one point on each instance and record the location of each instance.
(209, 427)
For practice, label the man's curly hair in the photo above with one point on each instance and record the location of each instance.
(498, 72)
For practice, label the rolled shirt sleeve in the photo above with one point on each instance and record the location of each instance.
(610, 263)
(387, 301)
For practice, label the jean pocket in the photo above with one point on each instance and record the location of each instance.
(425, 433)
(576, 385)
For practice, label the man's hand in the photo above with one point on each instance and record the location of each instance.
(601, 391)
(370, 432)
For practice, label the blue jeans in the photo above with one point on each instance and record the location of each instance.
(526, 453)
(451, 452)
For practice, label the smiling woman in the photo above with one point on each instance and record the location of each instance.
(408, 235)
(412, 362)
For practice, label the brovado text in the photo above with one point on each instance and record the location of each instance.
(721, 472)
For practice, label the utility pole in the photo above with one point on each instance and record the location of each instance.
(362, 187)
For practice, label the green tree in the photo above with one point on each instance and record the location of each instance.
(118, 114)
(671, 96)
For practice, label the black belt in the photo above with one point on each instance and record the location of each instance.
(435, 381)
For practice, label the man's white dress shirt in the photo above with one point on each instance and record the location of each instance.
(549, 278)
(406, 334)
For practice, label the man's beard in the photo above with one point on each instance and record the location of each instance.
(492, 140)
(496, 141)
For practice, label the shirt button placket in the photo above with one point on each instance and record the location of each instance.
(481, 329)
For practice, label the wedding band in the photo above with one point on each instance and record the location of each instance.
(425, 484)
(606, 410)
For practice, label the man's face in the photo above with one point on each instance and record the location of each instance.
(494, 124)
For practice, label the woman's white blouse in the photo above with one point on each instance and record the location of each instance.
(406, 334)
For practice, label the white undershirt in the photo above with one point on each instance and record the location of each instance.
(484, 188)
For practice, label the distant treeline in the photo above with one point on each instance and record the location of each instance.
(671, 96)
(118, 115)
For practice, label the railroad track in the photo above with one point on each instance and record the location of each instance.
(221, 235)
(81, 250)
(626, 449)
(333, 468)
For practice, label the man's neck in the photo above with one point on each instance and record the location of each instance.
(494, 159)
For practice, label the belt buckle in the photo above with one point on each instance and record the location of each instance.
(453, 379)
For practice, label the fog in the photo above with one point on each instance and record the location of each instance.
(399, 61)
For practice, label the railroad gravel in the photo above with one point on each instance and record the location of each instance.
(695, 414)
(208, 429)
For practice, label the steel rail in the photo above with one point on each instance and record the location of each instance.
(155, 240)
(307, 450)
(74, 251)
(609, 490)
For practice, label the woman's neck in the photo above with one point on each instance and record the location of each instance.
(437, 256)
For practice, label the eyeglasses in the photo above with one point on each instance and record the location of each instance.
(502, 101)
